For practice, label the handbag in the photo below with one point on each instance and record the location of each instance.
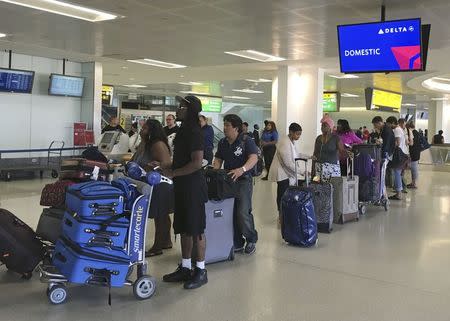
(220, 184)
(399, 158)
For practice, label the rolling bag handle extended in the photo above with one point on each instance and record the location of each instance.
(350, 163)
(306, 170)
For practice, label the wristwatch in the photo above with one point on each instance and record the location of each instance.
(243, 168)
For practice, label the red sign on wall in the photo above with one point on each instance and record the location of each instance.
(89, 134)
(79, 134)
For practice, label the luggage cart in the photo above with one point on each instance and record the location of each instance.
(144, 285)
(55, 148)
(380, 196)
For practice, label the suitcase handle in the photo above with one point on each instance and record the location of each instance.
(101, 233)
(306, 170)
(350, 163)
(58, 256)
(102, 242)
(110, 206)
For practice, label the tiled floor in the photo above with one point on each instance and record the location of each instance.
(387, 267)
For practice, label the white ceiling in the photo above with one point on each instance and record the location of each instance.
(197, 32)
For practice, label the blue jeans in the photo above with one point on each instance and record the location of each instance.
(244, 225)
(415, 170)
(398, 179)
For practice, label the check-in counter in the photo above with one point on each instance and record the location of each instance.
(436, 155)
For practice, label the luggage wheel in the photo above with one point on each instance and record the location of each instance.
(362, 209)
(144, 287)
(57, 293)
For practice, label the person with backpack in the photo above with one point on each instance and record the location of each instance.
(282, 170)
(238, 154)
(414, 152)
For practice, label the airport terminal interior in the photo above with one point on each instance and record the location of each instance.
(72, 72)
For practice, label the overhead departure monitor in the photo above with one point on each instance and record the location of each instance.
(16, 81)
(331, 101)
(69, 86)
(387, 46)
(383, 100)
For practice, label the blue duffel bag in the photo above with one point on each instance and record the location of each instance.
(98, 199)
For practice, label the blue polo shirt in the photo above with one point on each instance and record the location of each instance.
(236, 155)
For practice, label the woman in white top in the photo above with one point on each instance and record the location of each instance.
(282, 169)
(400, 142)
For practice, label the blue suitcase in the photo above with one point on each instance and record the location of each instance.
(95, 199)
(299, 224)
(83, 266)
(110, 233)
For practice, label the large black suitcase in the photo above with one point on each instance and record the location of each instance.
(20, 248)
(50, 224)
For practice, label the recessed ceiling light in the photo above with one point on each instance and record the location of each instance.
(124, 67)
(440, 98)
(248, 91)
(2, 35)
(409, 104)
(156, 63)
(347, 95)
(192, 92)
(135, 86)
(259, 80)
(191, 83)
(131, 78)
(255, 55)
(65, 9)
(346, 76)
(237, 97)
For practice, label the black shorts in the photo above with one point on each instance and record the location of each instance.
(191, 194)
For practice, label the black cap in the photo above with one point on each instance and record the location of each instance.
(191, 101)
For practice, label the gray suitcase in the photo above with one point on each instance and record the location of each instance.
(323, 206)
(346, 197)
(50, 224)
(219, 231)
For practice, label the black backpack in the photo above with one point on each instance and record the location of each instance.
(259, 167)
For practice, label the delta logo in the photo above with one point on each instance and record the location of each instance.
(395, 30)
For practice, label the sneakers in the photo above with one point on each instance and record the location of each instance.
(181, 274)
(250, 248)
(239, 249)
(199, 278)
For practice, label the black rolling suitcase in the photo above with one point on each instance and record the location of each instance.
(20, 248)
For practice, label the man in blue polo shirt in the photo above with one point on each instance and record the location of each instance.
(238, 154)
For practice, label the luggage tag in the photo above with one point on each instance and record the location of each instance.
(95, 172)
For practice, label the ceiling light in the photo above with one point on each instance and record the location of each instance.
(156, 63)
(432, 84)
(347, 95)
(259, 80)
(442, 79)
(346, 76)
(236, 97)
(124, 67)
(255, 55)
(192, 92)
(191, 83)
(135, 86)
(2, 35)
(352, 109)
(65, 9)
(440, 99)
(409, 104)
(248, 91)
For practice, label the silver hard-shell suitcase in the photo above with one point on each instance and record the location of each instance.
(346, 197)
(219, 231)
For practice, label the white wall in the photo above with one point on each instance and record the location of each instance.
(33, 121)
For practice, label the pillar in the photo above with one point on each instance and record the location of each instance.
(297, 97)
(91, 103)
